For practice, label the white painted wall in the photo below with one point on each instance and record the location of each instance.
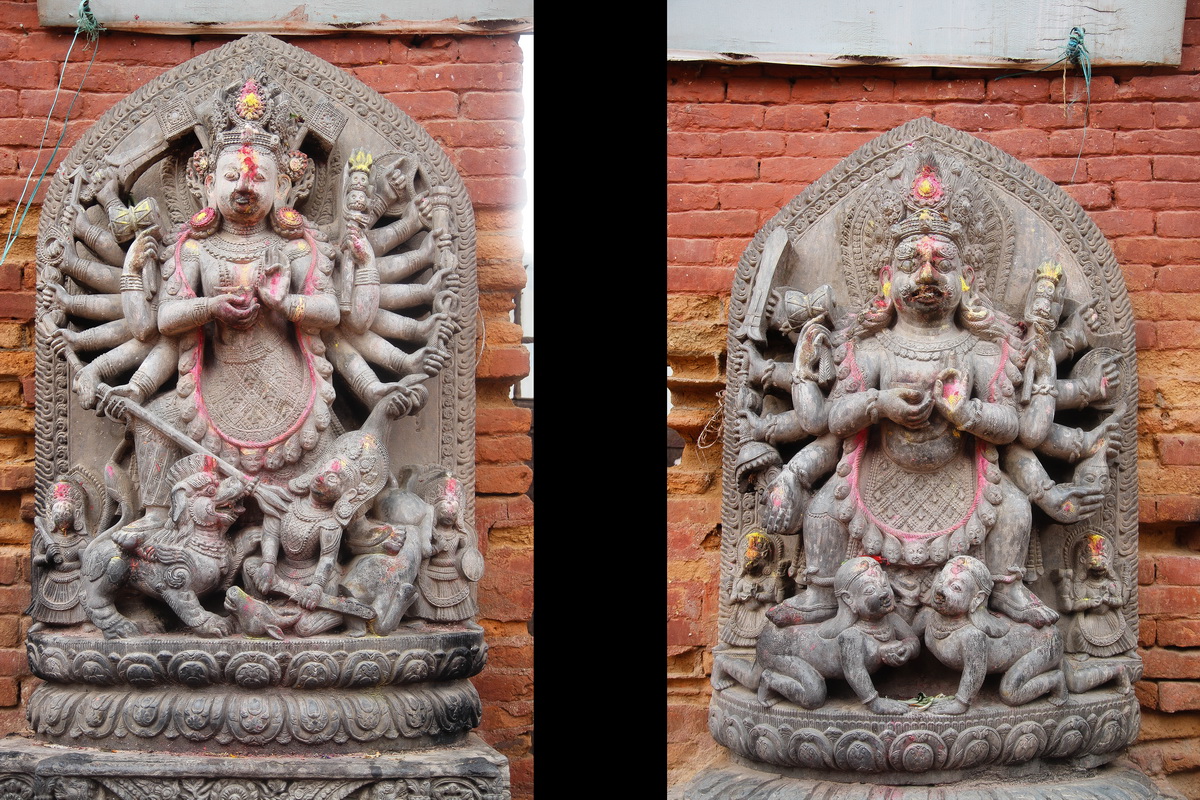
(972, 33)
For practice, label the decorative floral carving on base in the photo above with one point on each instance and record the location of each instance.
(385, 718)
(1108, 783)
(842, 737)
(430, 655)
(469, 770)
(22, 787)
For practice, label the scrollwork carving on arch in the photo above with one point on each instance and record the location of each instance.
(255, 269)
(931, 392)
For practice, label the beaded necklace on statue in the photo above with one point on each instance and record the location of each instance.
(931, 350)
(229, 254)
(878, 630)
(941, 626)
(250, 242)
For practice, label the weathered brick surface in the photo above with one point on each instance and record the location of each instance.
(743, 140)
(466, 92)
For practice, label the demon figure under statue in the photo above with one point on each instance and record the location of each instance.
(931, 384)
(255, 466)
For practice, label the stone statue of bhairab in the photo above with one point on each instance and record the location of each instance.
(255, 437)
(929, 535)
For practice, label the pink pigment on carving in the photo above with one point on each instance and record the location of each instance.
(312, 399)
(186, 287)
(249, 162)
(856, 375)
(860, 446)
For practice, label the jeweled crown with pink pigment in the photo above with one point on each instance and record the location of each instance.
(928, 203)
(254, 111)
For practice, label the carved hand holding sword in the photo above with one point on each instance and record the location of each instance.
(274, 500)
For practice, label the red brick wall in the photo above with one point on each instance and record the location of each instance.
(466, 92)
(743, 140)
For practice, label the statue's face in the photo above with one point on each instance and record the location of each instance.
(927, 277)
(953, 590)
(244, 184)
(447, 503)
(327, 486)
(870, 597)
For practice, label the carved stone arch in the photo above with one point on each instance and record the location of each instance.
(148, 138)
(1009, 222)
(831, 230)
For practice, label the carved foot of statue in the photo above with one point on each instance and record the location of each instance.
(728, 670)
(121, 628)
(720, 679)
(953, 706)
(215, 627)
(1016, 602)
(885, 705)
(1058, 695)
(814, 604)
(1125, 679)
(767, 696)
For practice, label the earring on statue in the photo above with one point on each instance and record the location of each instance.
(203, 223)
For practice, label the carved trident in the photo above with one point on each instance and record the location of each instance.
(440, 200)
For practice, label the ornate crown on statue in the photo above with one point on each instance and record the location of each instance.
(928, 203)
(254, 111)
(923, 194)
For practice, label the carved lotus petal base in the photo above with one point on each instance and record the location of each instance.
(236, 720)
(413, 654)
(1112, 782)
(844, 737)
(468, 771)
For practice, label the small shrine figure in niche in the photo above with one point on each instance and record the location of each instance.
(1090, 586)
(445, 582)
(760, 585)
(1092, 596)
(58, 540)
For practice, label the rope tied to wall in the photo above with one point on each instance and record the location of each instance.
(90, 27)
(1075, 54)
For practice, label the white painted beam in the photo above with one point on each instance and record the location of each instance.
(943, 33)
